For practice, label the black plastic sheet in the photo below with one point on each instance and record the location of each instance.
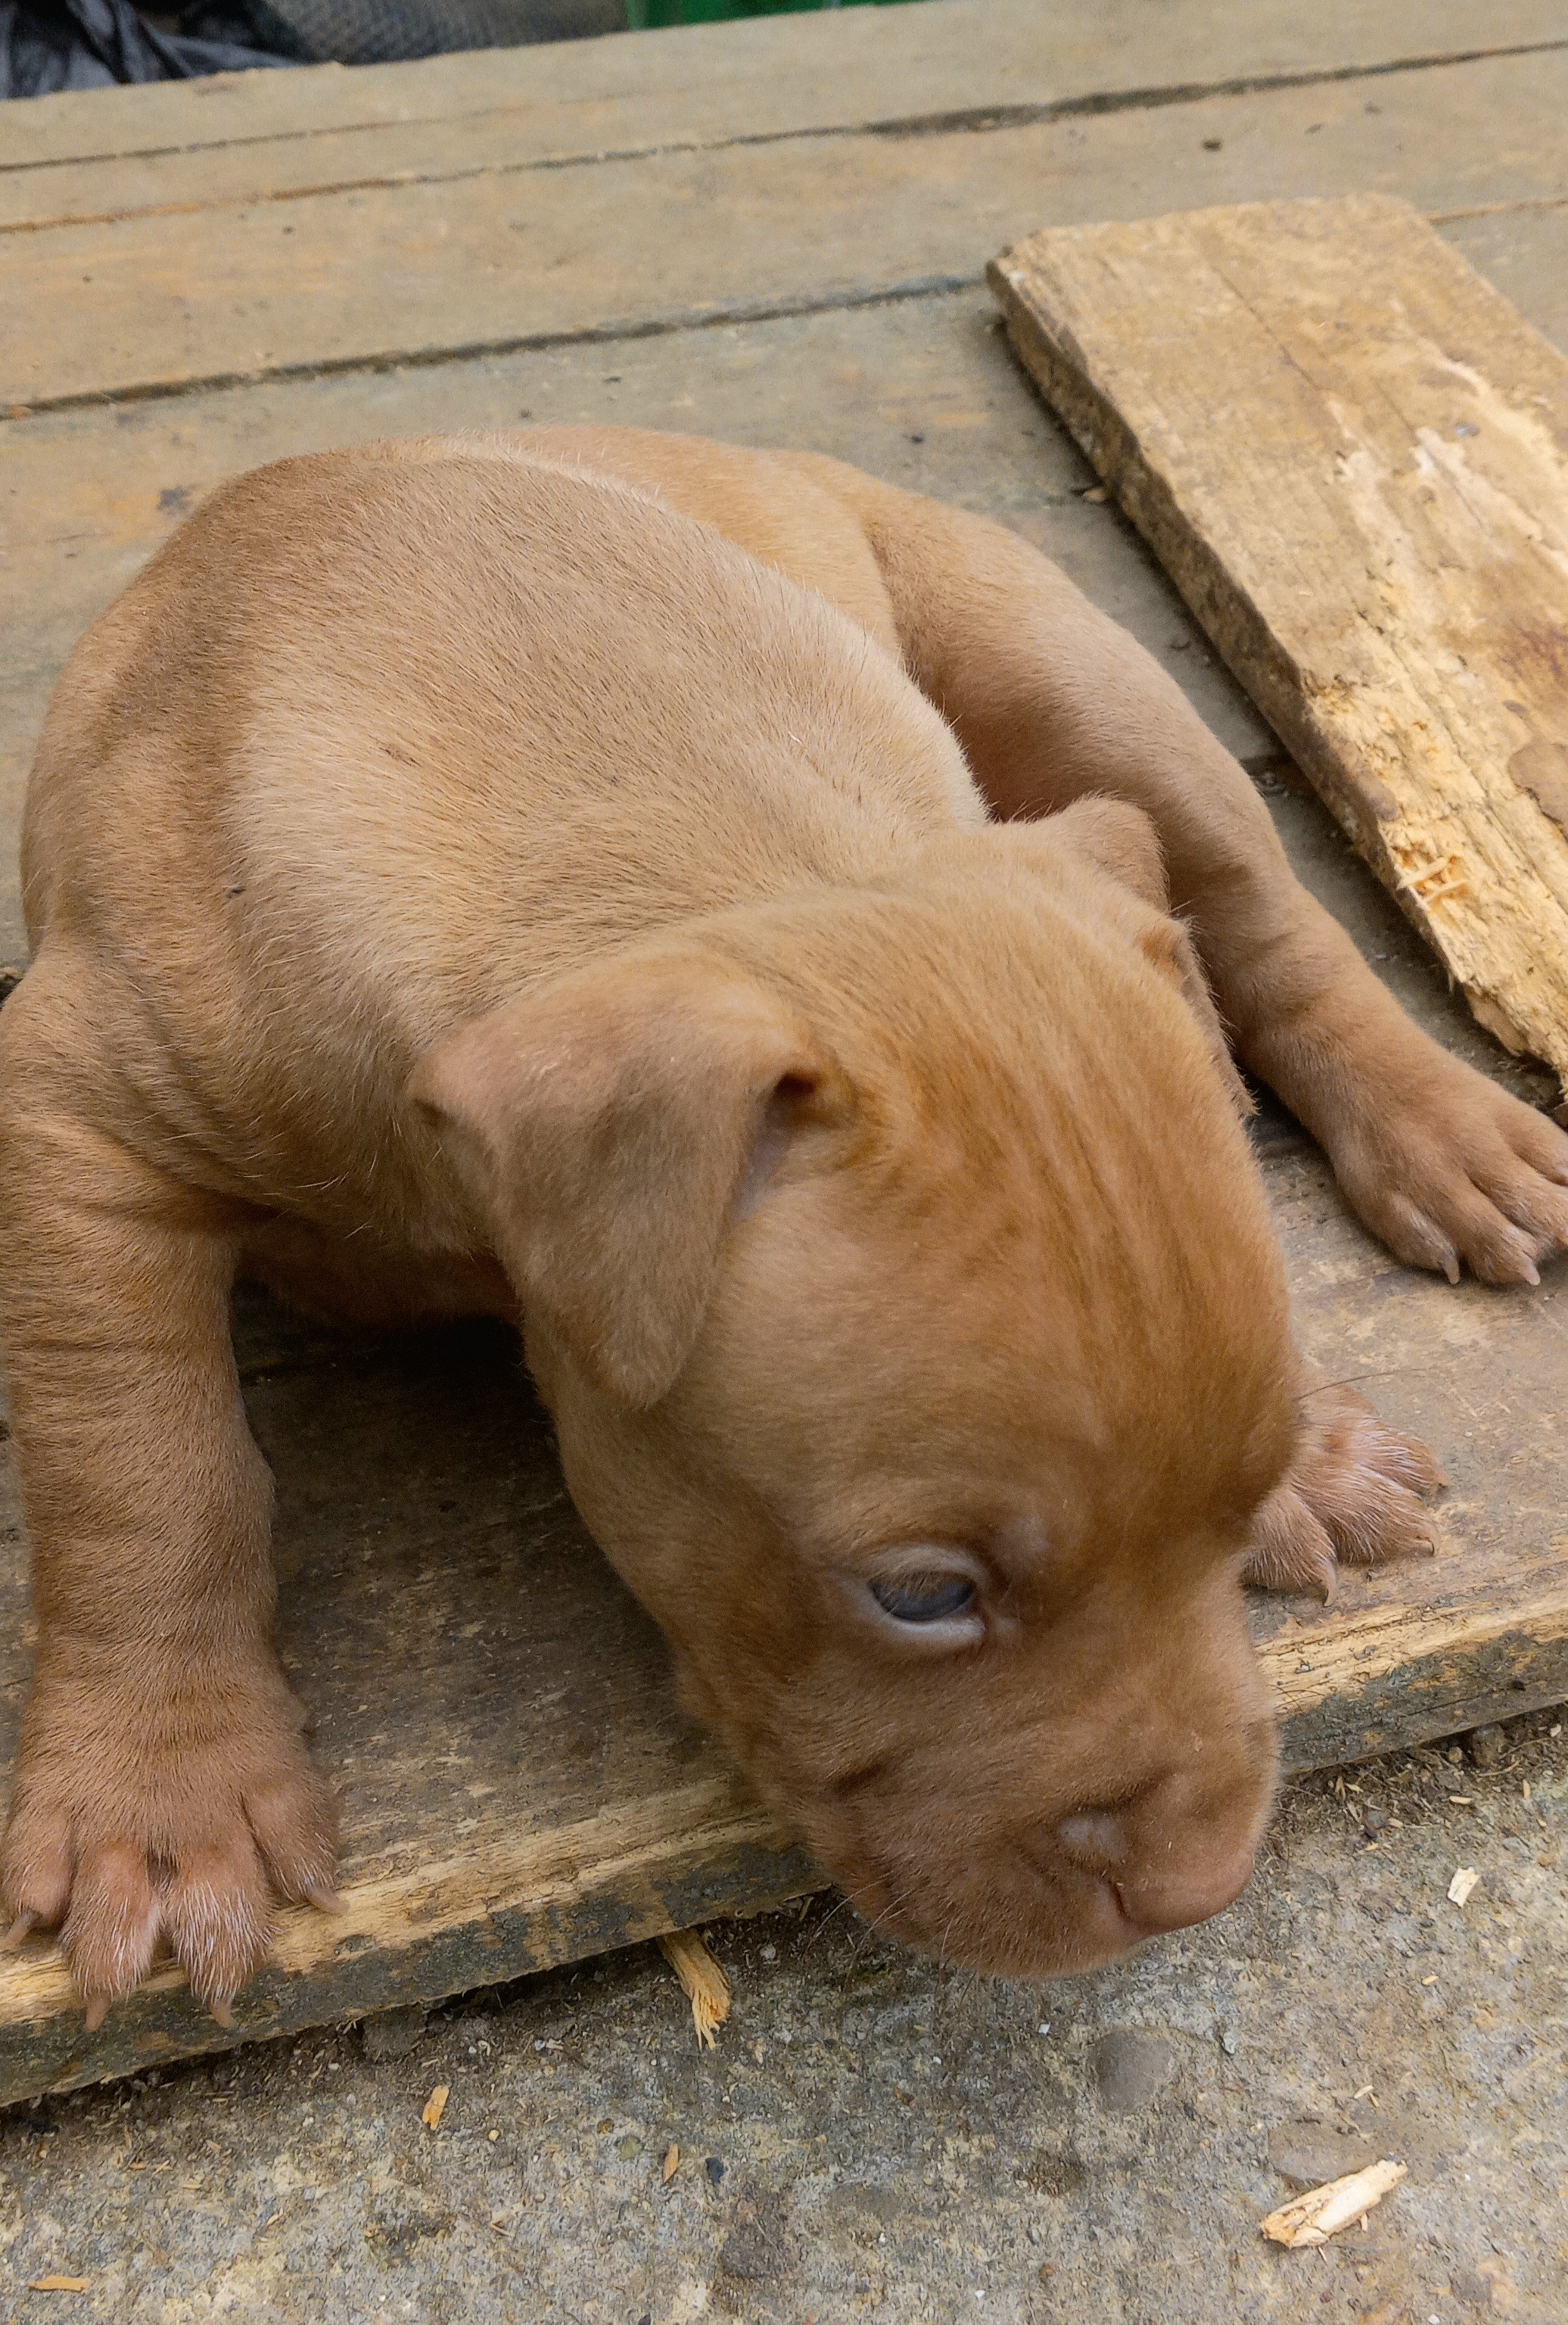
(53, 44)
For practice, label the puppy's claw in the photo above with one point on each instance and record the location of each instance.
(325, 1901)
(21, 1930)
(222, 2012)
(1291, 1549)
(97, 2011)
(1349, 1498)
(1452, 1172)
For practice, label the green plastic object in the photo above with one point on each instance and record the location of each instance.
(643, 13)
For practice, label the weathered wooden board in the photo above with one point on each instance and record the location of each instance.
(464, 118)
(518, 1787)
(1351, 454)
(423, 270)
(767, 78)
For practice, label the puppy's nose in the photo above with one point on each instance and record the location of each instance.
(1176, 1899)
(1200, 1883)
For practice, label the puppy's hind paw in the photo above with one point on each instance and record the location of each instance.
(1350, 1497)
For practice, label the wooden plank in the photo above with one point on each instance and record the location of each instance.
(419, 272)
(518, 1787)
(83, 499)
(757, 82)
(1351, 454)
(774, 76)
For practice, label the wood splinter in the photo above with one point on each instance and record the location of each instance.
(702, 1980)
(1323, 2212)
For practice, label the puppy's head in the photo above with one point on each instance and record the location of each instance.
(897, 1271)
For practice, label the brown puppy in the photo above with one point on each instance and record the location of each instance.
(462, 880)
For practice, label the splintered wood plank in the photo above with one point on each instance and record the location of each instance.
(1352, 455)
(518, 1786)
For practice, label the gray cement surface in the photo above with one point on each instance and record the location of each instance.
(878, 2137)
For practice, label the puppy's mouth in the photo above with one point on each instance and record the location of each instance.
(966, 1883)
(996, 1927)
(993, 1909)
(1005, 1908)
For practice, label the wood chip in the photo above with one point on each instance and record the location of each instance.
(703, 1980)
(56, 2284)
(672, 2163)
(1463, 1883)
(1323, 2212)
(435, 2107)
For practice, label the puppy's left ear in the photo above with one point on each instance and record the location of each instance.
(1111, 834)
(608, 1125)
(1119, 841)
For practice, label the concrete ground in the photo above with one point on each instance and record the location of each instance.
(878, 2137)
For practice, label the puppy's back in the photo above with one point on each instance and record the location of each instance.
(381, 735)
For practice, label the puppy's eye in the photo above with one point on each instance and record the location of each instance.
(921, 1600)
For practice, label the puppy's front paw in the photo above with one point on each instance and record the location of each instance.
(146, 1816)
(1446, 1168)
(1349, 1497)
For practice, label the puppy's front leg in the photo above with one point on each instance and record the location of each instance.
(1053, 702)
(162, 1776)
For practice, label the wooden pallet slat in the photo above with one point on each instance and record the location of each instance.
(762, 77)
(428, 268)
(1352, 455)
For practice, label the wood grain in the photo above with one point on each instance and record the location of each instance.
(1351, 454)
(768, 77)
(424, 271)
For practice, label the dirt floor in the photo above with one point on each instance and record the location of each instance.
(875, 2135)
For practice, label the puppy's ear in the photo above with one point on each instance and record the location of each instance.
(1119, 840)
(1168, 944)
(1113, 836)
(608, 1123)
